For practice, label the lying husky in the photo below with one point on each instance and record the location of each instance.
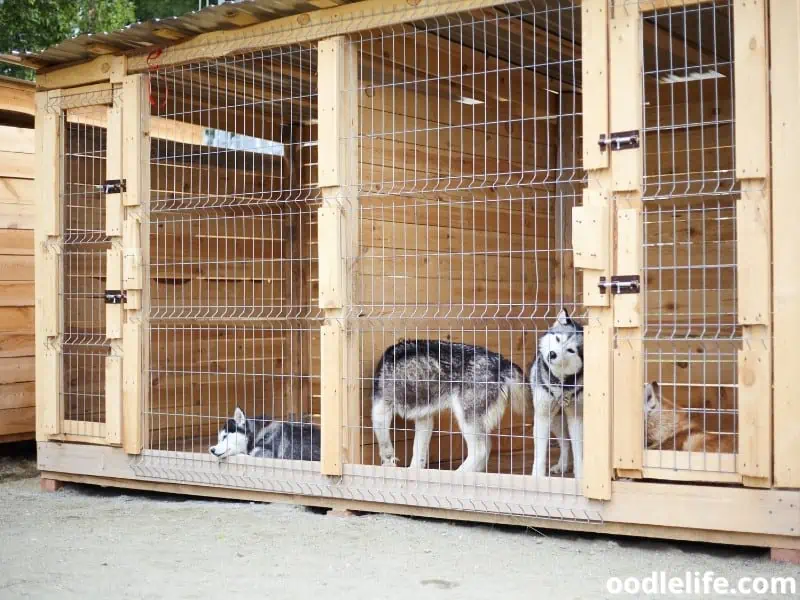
(417, 379)
(556, 380)
(264, 438)
(669, 429)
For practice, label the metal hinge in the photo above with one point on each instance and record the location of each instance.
(620, 284)
(620, 140)
(112, 186)
(116, 296)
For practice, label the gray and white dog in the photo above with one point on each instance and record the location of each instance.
(417, 379)
(264, 438)
(556, 380)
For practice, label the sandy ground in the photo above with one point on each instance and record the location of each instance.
(86, 542)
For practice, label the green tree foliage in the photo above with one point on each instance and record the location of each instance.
(38, 24)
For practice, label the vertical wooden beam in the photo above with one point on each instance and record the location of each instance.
(114, 217)
(115, 317)
(785, 83)
(594, 53)
(599, 326)
(135, 245)
(753, 242)
(338, 243)
(626, 180)
(49, 141)
(114, 389)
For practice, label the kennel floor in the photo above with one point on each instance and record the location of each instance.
(518, 462)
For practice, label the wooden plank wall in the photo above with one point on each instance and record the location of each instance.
(17, 193)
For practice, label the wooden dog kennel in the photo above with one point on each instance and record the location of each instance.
(246, 209)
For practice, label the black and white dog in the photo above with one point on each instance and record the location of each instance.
(556, 380)
(417, 379)
(264, 438)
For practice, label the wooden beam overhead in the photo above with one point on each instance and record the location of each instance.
(516, 25)
(683, 53)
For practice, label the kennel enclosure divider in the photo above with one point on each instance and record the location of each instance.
(266, 209)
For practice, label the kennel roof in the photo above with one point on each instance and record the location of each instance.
(160, 33)
(691, 45)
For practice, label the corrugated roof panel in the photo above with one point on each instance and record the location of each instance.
(166, 32)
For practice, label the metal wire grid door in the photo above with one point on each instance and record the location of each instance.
(84, 343)
(469, 167)
(690, 198)
(234, 318)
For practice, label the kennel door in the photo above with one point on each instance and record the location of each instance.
(705, 262)
(89, 291)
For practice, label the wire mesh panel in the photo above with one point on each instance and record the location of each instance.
(85, 243)
(470, 165)
(468, 143)
(233, 316)
(690, 200)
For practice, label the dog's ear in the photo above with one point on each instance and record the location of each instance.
(239, 418)
(563, 318)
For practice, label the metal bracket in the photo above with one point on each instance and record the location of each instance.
(619, 140)
(113, 186)
(620, 284)
(116, 296)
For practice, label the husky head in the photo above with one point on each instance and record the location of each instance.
(561, 348)
(659, 417)
(234, 437)
(652, 399)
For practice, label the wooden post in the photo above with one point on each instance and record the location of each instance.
(49, 142)
(626, 181)
(114, 312)
(135, 245)
(753, 242)
(785, 84)
(338, 242)
(592, 236)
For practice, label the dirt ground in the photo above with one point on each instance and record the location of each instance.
(86, 542)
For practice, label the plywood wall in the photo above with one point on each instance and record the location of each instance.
(17, 397)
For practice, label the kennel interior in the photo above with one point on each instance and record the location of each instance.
(690, 191)
(305, 197)
(234, 313)
(468, 168)
(469, 157)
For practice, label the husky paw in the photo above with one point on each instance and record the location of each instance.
(558, 469)
(389, 462)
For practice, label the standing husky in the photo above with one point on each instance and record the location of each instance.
(417, 379)
(671, 429)
(556, 380)
(264, 438)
